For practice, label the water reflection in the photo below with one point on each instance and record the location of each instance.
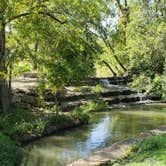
(96, 138)
(107, 128)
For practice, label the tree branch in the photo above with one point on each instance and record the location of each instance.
(112, 71)
(40, 12)
(120, 6)
(52, 16)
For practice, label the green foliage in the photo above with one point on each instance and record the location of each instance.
(83, 89)
(101, 105)
(41, 90)
(20, 68)
(60, 121)
(98, 88)
(150, 144)
(21, 123)
(98, 105)
(10, 153)
(82, 114)
(163, 82)
(140, 82)
(54, 39)
(152, 147)
(156, 87)
(145, 152)
(146, 39)
(27, 128)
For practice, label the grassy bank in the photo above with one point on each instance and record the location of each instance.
(10, 152)
(147, 152)
(22, 126)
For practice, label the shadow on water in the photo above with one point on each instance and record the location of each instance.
(106, 128)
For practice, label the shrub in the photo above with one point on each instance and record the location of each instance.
(10, 153)
(98, 89)
(163, 82)
(27, 128)
(150, 144)
(83, 89)
(140, 83)
(82, 114)
(101, 105)
(156, 87)
(59, 120)
(20, 123)
(98, 105)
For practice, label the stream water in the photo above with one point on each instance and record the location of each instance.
(105, 129)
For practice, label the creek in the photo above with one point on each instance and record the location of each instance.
(105, 128)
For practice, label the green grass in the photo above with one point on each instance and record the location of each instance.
(150, 151)
(153, 157)
(22, 123)
(93, 106)
(10, 153)
(83, 89)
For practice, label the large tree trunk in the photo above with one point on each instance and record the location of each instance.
(4, 87)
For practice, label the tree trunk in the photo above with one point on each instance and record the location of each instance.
(112, 71)
(108, 45)
(35, 59)
(4, 87)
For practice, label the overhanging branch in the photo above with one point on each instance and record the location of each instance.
(40, 12)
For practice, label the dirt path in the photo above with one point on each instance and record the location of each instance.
(24, 83)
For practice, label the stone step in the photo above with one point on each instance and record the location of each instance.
(68, 106)
(92, 81)
(75, 97)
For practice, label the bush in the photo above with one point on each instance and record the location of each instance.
(163, 82)
(156, 87)
(141, 82)
(83, 89)
(59, 120)
(20, 123)
(27, 128)
(150, 144)
(98, 105)
(101, 105)
(98, 89)
(10, 153)
(82, 114)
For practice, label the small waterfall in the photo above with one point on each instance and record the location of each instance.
(143, 97)
(105, 83)
(116, 86)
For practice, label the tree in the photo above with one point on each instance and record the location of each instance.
(104, 25)
(146, 41)
(42, 20)
(9, 12)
